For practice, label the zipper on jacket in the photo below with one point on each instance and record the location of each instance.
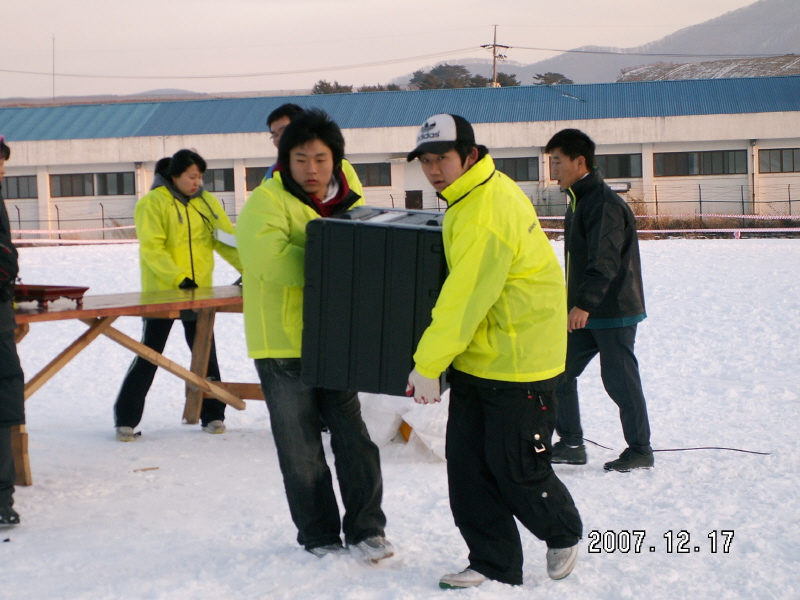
(191, 256)
(572, 204)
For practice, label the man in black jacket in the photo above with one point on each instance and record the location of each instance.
(605, 302)
(12, 404)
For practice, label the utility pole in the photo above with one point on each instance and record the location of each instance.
(495, 57)
(54, 67)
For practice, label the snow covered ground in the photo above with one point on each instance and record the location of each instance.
(720, 360)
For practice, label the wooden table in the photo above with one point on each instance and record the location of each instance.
(100, 312)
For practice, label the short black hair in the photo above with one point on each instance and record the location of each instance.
(573, 143)
(465, 148)
(162, 166)
(5, 151)
(285, 110)
(182, 160)
(312, 124)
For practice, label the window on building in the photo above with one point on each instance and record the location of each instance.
(218, 180)
(519, 169)
(115, 184)
(374, 174)
(254, 176)
(781, 160)
(18, 188)
(64, 186)
(716, 162)
(616, 166)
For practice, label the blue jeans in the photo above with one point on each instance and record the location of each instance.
(619, 371)
(295, 410)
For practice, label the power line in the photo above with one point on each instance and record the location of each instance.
(245, 75)
(494, 46)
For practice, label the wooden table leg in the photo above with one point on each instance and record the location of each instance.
(201, 350)
(20, 332)
(96, 327)
(19, 449)
(158, 359)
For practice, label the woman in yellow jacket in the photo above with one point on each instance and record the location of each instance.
(175, 223)
(311, 180)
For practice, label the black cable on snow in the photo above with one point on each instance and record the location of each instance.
(686, 449)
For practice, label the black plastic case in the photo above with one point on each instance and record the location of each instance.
(372, 276)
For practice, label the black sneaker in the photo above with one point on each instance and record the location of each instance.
(8, 516)
(568, 455)
(628, 460)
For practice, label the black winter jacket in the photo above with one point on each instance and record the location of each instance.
(9, 267)
(604, 275)
(12, 403)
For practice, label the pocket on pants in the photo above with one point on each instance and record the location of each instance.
(530, 456)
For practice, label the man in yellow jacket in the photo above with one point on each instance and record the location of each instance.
(500, 321)
(176, 223)
(311, 179)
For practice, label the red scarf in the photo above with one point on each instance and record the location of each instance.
(325, 209)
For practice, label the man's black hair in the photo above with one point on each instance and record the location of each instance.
(5, 151)
(573, 143)
(285, 110)
(312, 124)
(182, 160)
(464, 149)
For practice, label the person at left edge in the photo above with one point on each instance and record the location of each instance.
(312, 179)
(12, 403)
(176, 223)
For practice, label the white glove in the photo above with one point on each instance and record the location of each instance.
(424, 390)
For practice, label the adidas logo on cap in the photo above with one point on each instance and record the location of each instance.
(440, 133)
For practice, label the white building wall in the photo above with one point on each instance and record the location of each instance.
(505, 140)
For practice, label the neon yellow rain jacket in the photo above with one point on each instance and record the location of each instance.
(177, 240)
(502, 312)
(271, 236)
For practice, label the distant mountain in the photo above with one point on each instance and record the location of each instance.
(765, 27)
(161, 95)
(167, 92)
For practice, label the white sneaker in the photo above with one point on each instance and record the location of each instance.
(561, 561)
(321, 551)
(125, 434)
(215, 427)
(375, 548)
(467, 578)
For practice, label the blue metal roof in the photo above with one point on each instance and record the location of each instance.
(399, 109)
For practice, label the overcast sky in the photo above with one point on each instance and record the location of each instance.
(277, 39)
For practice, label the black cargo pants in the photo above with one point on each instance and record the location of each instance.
(498, 467)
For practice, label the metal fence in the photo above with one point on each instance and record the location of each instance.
(669, 205)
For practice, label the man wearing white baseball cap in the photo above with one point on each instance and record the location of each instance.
(499, 325)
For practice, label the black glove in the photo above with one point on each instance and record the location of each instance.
(187, 284)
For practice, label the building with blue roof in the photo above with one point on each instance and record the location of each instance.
(717, 145)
